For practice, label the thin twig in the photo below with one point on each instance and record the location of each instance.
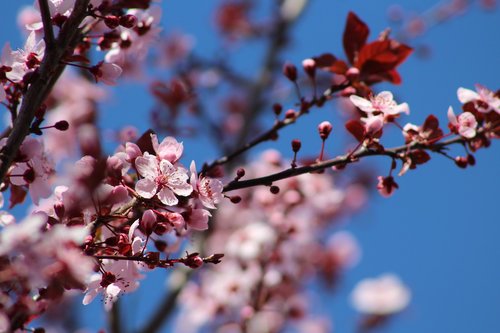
(269, 134)
(341, 160)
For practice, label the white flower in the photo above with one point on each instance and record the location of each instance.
(383, 102)
(380, 296)
(484, 99)
(465, 124)
(209, 189)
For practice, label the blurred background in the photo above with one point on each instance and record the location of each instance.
(439, 232)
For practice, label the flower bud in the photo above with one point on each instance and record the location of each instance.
(112, 21)
(277, 108)
(461, 162)
(309, 66)
(324, 129)
(128, 21)
(290, 71)
(62, 125)
(274, 189)
(296, 144)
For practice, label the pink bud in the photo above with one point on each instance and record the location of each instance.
(309, 66)
(148, 221)
(324, 129)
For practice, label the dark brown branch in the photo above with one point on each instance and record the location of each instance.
(47, 24)
(271, 133)
(167, 306)
(47, 75)
(114, 318)
(341, 160)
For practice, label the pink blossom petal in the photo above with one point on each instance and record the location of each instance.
(147, 166)
(146, 188)
(198, 219)
(169, 149)
(452, 117)
(466, 95)
(362, 103)
(167, 197)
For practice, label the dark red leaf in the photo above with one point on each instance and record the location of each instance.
(325, 60)
(356, 128)
(144, 142)
(381, 56)
(431, 123)
(355, 35)
(420, 156)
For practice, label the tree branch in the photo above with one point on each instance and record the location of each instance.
(47, 24)
(47, 75)
(269, 134)
(341, 160)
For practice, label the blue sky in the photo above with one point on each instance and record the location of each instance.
(440, 232)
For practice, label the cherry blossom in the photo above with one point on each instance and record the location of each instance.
(28, 58)
(382, 103)
(209, 190)
(121, 276)
(35, 171)
(484, 99)
(465, 124)
(162, 179)
(169, 149)
(384, 295)
(106, 73)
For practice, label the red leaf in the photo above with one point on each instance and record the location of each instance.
(381, 56)
(356, 128)
(144, 142)
(329, 62)
(420, 156)
(355, 35)
(325, 60)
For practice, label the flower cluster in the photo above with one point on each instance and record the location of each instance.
(272, 241)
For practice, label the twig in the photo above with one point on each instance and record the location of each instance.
(114, 318)
(341, 160)
(269, 134)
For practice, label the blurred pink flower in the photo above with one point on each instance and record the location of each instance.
(384, 295)
(383, 102)
(465, 124)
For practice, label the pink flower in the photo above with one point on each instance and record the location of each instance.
(106, 73)
(465, 124)
(209, 190)
(484, 99)
(121, 277)
(383, 103)
(162, 179)
(37, 164)
(386, 186)
(373, 124)
(381, 296)
(169, 149)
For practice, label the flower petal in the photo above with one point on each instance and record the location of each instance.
(362, 103)
(167, 197)
(146, 188)
(466, 95)
(147, 166)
